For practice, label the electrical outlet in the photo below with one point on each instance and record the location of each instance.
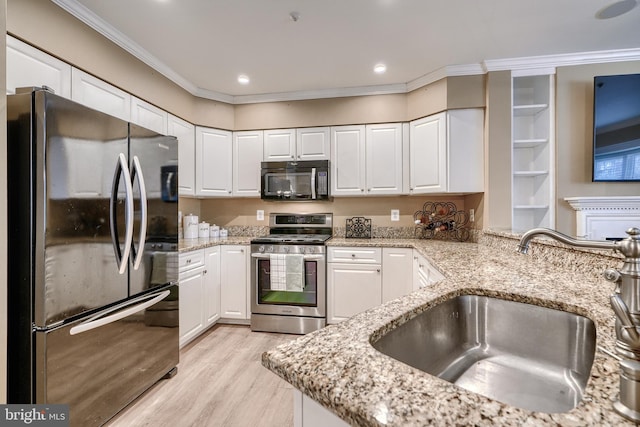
(472, 215)
(260, 215)
(395, 214)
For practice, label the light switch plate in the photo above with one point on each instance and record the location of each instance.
(395, 214)
(260, 215)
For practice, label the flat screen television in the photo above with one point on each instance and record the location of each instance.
(616, 128)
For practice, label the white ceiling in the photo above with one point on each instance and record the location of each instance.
(203, 45)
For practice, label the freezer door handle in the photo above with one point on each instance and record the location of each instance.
(122, 169)
(137, 172)
(120, 313)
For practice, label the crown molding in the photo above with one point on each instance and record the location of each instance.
(520, 66)
(604, 203)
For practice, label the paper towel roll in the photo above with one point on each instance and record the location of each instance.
(190, 226)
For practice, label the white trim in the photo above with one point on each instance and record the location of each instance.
(520, 66)
(604, 203)
(601, 217)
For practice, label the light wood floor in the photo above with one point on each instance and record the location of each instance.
(220, 382)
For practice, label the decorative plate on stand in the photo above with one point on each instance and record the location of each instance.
(358, 227)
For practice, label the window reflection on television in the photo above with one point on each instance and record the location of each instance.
(616, 128)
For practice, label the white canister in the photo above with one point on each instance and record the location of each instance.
(203, 230)
(190, 226)
(214, 231)
(223, 232)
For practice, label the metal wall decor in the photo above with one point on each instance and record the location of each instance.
(441, 220)
(358, 227)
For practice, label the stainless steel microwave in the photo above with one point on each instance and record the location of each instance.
(303, 180)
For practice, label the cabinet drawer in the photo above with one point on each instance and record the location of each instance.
(359, 255)
(190, 260)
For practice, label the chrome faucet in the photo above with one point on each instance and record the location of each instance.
(625, 302)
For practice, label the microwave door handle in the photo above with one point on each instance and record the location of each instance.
(313, 183)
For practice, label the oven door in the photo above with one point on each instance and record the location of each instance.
(275, 292)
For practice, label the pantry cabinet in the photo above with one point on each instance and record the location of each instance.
(247, 155)
(446, 152)
(185, 132)
(28, 66)
(214, 162)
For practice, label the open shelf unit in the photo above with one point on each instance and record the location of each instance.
(532, 152)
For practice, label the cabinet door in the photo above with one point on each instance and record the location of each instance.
(313, 143)
(428, 154)
(211, 285)
(191, 315)
(186, 134)
(247, 155)
(384, 158)
(100, 95)
(233, 282)
(351, 289)
(348, 160)
(28, 66)
(149, 116)
(397, 273)
(214, 155)
(279, 145)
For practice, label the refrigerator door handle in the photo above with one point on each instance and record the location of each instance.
(120, 313)
(137, 172)
(122, 168)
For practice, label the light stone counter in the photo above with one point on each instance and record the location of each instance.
(338, 367)
(186, 245)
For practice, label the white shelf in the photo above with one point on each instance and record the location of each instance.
(526, 174)
(529, 143)
(524, 207)
(528, 110)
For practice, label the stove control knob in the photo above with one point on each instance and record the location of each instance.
(303, 249)
(270, 249)
(286, 249)
(311, 249)
(261, 249)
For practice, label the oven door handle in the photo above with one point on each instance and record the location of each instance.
(267, 256)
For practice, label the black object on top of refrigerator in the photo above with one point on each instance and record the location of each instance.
(93, 258)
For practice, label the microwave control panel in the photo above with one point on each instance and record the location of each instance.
(323, 183)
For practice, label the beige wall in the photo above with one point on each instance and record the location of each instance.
(498, 148)
(574, 138)
(3, 211)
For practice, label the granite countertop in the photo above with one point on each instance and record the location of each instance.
(186, 245)
(338, 367)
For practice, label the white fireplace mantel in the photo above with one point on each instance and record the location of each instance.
(599, 218)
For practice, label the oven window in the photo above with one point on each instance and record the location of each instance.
(306, 297)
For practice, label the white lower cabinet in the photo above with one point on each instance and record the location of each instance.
(424, 274)
(309, 413)
(234, 296)
(199, 292)
(397, 273)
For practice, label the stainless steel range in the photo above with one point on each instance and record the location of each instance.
(288, 274)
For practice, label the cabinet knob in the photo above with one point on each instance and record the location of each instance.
(189, 261)
(353, 255)
(204, 272)
(378, 270)
(362, 189)
(241, 250)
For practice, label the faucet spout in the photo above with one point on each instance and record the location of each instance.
(523, 246)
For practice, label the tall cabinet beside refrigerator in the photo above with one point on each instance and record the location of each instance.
(92, 292)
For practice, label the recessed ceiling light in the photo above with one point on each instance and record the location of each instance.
(379, 68)
(616, 9)
(243, 79)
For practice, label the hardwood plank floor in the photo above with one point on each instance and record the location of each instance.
(220, 382)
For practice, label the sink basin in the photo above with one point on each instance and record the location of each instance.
(523, 355)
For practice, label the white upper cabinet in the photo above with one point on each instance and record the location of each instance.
(313, 143)
(214, 162)
(186, 134)
(279, 145)
(28, 66)
(100, 95)
(149, 116)
(384, 159)
(348, 159)
(247, 155)
(446, 152)
(367, 160)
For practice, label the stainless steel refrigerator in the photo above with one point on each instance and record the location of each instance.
(93, 257)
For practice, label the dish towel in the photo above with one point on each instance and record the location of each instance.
(295, 273)
(278, 272)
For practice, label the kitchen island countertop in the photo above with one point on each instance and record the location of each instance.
(337, 366)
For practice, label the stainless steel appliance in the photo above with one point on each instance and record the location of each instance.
(92, 268)
(288, 274)
(303, 180)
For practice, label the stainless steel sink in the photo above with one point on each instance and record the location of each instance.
(524, 355)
